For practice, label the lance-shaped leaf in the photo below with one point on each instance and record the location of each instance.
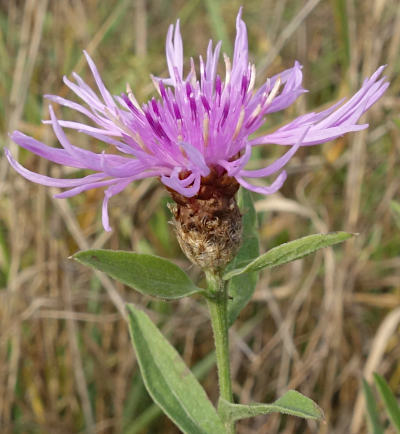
(241, 288)
(291, 251)
(292, 403)
(391, 405)
(372, 410)
(148, 274)
(168, 380)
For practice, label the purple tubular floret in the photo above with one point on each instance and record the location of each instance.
(128, 102)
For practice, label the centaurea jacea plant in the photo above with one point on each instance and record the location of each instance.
(197, 138)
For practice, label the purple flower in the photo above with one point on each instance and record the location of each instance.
(196, 124)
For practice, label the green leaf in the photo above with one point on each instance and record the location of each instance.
(147, 416)
(168, 380)
(148, 274)
(292, 403)
(395, 207)
(241, 288)
(391, 404)
(372, 410)
(291, 251)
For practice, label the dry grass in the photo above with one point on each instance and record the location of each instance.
(317, 325)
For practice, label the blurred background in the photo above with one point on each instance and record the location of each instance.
(317, 325)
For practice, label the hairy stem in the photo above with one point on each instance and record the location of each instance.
(218, 306)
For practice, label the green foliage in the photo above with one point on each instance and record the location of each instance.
(148, 274)
(372, 410)
(291, 251)
(292, 403)
(241, 288)
(391, 405)
(200, 370)
(168, 380)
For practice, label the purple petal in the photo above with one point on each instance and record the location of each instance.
(181, 185)
(273, 188)
(123, 147)
(240, 53)
(110, 192)
(90, 159)
(73, 105)
(174, 53)
(108, 99)
(84, 187)
(234, 167)
(278, 164)
(313, 137)
(212, 61)
(56, 155)
(47, 180)
(330, 124)
(85, 93)
(292, 80)
(196, 158)
(83, 128)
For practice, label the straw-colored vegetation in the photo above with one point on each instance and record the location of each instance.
(317, 325)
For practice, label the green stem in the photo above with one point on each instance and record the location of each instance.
(218, 306)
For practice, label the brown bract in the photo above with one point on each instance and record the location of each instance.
(209, 225)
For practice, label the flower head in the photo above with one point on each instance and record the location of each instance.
(197, 127)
